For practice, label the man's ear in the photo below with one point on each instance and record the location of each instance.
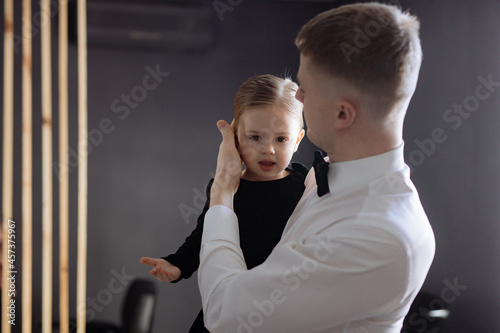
(346, 114)
(299, 139)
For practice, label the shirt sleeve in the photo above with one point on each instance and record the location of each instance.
(319, 283)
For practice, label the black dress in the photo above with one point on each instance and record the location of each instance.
(263, 209)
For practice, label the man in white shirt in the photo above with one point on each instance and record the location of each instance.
(358, 247)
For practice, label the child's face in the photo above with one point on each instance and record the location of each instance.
(267, 139)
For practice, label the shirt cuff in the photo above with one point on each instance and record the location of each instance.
(221, 223)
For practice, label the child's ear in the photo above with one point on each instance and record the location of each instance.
(299, 139)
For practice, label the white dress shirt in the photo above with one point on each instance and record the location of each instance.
(350, 261)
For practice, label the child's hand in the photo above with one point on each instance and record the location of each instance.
(162, 269)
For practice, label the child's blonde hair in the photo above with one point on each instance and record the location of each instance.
(268, 90)
(373, 48)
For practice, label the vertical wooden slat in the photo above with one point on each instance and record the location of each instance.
(8, 149)
(27, 169)
(46, 146)
(47, 214)
(63, 171)
(82, 166)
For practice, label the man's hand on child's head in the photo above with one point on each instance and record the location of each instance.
(228, 172)
(162, 269)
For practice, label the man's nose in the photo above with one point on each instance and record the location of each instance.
(299, 96)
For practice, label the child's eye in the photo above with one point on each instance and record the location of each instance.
(281, 139)
(255, 138)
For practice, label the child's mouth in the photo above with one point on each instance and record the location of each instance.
(267, 165)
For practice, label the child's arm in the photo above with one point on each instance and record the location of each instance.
(185, 261)
(187, 257)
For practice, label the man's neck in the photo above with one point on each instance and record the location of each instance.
(365, 144)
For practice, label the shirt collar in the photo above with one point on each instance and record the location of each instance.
(351, 174)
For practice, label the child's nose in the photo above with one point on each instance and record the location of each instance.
(268, 148)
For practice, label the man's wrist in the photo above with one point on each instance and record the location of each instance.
(222, 198)
(222, 193)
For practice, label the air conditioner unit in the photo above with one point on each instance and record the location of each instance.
(147, 24)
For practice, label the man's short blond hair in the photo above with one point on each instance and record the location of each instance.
(373, 48)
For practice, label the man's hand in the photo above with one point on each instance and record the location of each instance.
(162, 269)
(228, 172)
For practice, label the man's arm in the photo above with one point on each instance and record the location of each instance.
(322, 282)
(228, 171)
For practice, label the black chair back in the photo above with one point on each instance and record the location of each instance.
(138, 308)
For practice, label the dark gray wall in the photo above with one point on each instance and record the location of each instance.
(149, 163)
(459, 181)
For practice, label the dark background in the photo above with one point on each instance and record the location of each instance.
(145, 174)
